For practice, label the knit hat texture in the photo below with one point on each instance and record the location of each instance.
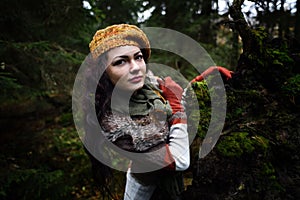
(119, 35)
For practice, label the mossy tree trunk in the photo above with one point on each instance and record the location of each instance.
(256, 156)
(264, 62)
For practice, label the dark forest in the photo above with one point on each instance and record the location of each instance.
(43, 43)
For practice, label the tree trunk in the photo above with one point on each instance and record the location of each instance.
(249, 45)
(206, 32)
(252, 69)
(297, 23)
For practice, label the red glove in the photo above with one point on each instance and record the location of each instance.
(172, 92)
(225, 72)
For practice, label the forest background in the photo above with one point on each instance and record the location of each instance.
(43, 44)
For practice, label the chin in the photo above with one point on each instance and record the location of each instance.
(137, 86)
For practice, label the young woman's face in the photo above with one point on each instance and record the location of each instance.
(126, 67)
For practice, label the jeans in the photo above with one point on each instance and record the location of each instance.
(135, 190)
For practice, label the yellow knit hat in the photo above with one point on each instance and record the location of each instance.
(119, 35)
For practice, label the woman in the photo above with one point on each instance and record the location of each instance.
(140, 113)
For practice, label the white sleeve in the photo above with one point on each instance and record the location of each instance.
(179, 146)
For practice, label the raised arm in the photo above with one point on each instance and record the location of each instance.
(178, 139)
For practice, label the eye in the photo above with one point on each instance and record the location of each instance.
(139, 57)
(119, 62)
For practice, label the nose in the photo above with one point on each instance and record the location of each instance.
(134, 66)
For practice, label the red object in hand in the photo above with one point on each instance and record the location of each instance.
(225, 72)
(172, 92)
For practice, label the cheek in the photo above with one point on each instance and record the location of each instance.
(114, 75)
(143, 69)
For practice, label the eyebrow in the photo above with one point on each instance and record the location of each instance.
(126, 56)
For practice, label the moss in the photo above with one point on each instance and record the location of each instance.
(202, 93)
(244, 103)
(203, 98)
(239, 143)
(269, 179)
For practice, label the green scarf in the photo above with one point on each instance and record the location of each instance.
(148, 99)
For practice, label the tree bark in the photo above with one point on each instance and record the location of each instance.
(297, 23)
(251, 68)
(249, 45)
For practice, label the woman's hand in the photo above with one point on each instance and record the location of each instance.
(172, 92)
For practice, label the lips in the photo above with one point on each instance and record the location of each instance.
(136, 79)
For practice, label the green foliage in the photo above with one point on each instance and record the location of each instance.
(291, 87)
(64, 22)
(192, 17)
(65, 119)
(58, 167)
(115, 12)
(43, 52)
(42, 184)
(279, 57)
(223, 55)
(241, 143)
(268, 170)
(39, 67)
(268, 179)
(65, 145)
(8, 83)
(260, 35)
